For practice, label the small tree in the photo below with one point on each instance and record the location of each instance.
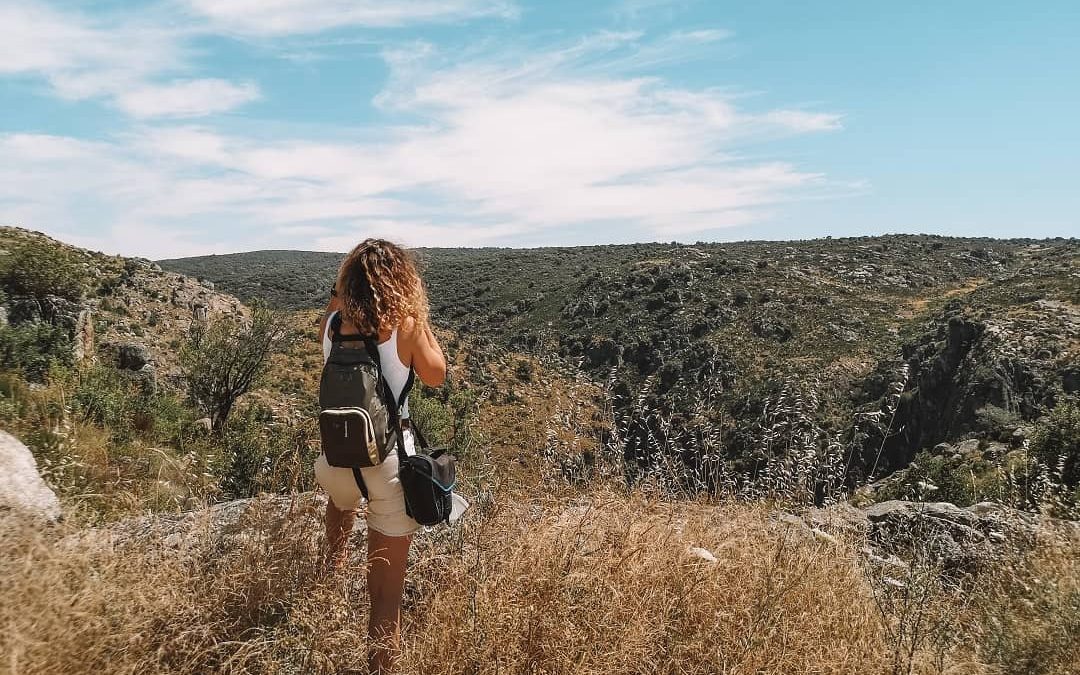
(223, 357)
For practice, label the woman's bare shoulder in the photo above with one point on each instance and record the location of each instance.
(409, 328)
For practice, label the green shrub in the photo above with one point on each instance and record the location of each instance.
(106, 397)
(1056, 442)
(32, 349)
(941, 478)
(449, 421)
(102, 396)
(432, 416)
(38, 268)
(524, 370)
(223, 358)
(261, 453)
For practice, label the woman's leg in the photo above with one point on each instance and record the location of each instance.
(339, 525)
(387, 557)
(341, 489)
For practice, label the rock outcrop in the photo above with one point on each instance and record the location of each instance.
(127, 309)
(984, 377)
(227, 523)
(942, 534)
(22, 490)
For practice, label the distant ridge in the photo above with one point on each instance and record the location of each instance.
(297, 279)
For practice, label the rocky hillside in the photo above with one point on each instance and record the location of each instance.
(129, 311)
(878, 348)
(802, 368)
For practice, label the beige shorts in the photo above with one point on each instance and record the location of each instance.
(386, 502)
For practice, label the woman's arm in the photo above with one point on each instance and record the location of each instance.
(425, 353)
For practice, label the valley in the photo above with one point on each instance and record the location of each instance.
(695, 343)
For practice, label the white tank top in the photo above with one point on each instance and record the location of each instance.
(395, 372)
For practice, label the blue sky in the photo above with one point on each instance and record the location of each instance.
(180, 127)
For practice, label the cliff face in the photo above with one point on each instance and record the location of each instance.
(991, 362)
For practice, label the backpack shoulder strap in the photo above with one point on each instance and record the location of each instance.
(407, 389)
(393, 407)
(420, 438)
(359, 478)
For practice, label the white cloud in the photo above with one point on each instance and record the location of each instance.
(540, 144)
(704, 36)
(36, 38)
(803, 121)
(187, 98)
(140, 239)
(125, 60)
(281, 17)
(418, 233)
(635, 10)
(503, 147)
(196, 144)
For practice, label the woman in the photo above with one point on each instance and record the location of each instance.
(379, 292)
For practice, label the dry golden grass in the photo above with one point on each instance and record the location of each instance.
(604, 587)
(598, 582)
(1026, 615)
(609, 586)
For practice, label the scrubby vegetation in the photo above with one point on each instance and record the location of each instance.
(698, 343)
(113, 449)
(222, 358)
(1057, 442)
(34, 266)
(637, 427)
(33, 349)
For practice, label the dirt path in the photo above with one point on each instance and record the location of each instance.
(919, 304)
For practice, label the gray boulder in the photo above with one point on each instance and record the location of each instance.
(132, 356)
(22, 489)
(939, 532)
(222, 529)
(959, 539)
(146, 378)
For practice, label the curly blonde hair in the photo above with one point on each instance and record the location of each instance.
(379, 287)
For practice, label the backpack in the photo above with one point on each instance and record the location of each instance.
(359, 421)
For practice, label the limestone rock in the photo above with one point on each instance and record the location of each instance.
(22, 489)
(958, 539)
(224, 525)
(132, 356)
(84, 336)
